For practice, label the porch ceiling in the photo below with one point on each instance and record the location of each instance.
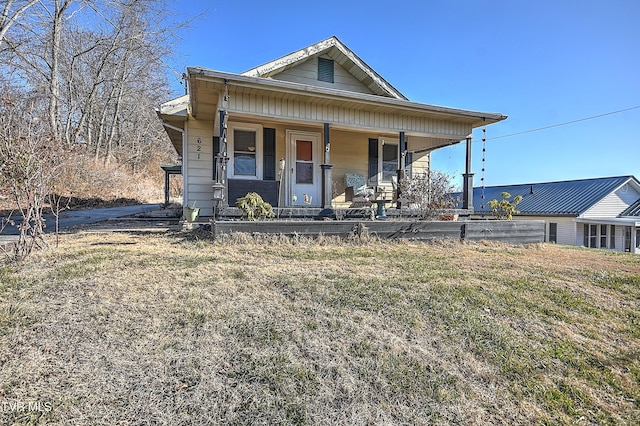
(280, 98)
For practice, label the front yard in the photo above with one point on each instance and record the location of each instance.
(169, 329)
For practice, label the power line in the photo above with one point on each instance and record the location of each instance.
(564, 124)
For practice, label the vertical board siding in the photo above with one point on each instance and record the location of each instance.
(287, 108)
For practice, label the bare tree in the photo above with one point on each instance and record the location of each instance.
(11, 13)
(91, 72)
(30, 162)
(429, 193)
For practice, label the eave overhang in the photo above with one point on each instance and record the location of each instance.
(173, 115)
(340, 53)
(206, 85)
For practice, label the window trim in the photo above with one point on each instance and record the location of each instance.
(248, 127)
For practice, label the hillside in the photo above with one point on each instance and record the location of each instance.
(174, 329)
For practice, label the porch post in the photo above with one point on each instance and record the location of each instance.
(467, 180)
(402, 152)
(166, 187)
(221, 160)
(327, 179)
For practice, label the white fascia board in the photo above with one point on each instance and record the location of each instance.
(335, 94)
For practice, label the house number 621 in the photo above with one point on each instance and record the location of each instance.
(199, 147)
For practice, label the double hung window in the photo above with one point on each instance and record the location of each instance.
(245, 146)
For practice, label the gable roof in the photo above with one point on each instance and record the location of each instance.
(341, 54)
(562, 198)
(632, 211)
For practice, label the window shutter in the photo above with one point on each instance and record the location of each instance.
(269, 154)
(408, 165)
(325, 70)
(373, 159)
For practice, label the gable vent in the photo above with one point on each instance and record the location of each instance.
(325, 70)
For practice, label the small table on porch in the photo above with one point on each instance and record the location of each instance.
(381, 210)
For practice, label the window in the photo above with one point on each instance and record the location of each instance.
(593, 236)
(244, 153)
(627, 238)
(325, 70)
(590, 238)
(637, 237)
(553, 232)
(612, 238)
(389, 161)
(245, 146)
(603, 236)
(383, 161)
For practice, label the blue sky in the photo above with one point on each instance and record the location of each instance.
(542, 63)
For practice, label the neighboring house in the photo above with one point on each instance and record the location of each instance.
(294, 127)
(600, 213)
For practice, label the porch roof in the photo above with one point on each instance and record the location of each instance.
(206, 87)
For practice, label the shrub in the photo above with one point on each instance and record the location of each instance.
(429, 193)
(505, 209)
(254, 207)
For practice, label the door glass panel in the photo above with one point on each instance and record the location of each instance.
(304, 151)
(304, 162)
(304, 172)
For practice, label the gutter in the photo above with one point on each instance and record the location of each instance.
(172, 127)
(303, 89)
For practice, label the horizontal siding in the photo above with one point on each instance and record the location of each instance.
(613, 204)
(307, 73)
(198, 161)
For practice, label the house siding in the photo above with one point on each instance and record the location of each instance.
(566, 232)
(307, 73)
(349, 154)
(198, 166)
(613, 204)
(295, 110)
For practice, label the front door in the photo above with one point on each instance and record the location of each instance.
(304, 169)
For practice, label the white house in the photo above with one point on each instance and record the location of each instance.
(600, 213)
(292, 130)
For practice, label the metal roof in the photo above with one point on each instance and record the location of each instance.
(563, 198)
(632, 210)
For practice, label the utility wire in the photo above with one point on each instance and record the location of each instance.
(564, 124)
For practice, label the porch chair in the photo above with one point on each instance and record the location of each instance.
(356, 189)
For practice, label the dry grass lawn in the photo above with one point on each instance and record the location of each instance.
(173, 329)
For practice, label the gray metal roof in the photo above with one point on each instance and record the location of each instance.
(632, 210)
(563, 198)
